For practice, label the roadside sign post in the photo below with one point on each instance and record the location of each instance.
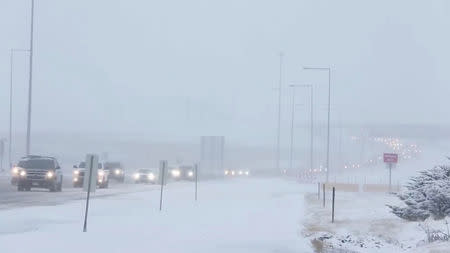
(162, 175)
(332, 205)
(318, 191)
(91, 166)
(390, 159)
(196, 179)
(2, 152)
(323, 191)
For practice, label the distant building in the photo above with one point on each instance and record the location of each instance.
(212, 156)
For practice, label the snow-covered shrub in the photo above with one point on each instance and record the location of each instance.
(434, 235)
(427, 195)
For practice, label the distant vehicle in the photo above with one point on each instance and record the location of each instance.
(236, 173)
(39, 172)
(183, 172)
(80, 172)
(14, 175)
(145, 176)
(116, 171)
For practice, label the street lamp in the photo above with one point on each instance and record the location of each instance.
(279, 113)
(12, 51)
(311, 122)
(30, 80)
(329, 109)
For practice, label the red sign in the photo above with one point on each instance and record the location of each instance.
(390, 158)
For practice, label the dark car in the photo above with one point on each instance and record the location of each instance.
(145, 176)
(39, 172)
(15, 175)
(183, 172)
(116, 171)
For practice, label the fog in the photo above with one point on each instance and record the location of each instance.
(176, 70)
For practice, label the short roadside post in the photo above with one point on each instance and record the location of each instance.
(318, 191)
(332, 205)
(323, 191)
(90, 182)
(162, 175)
(196, 179)
(391, 160)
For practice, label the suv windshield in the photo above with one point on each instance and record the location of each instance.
(83, 165)
(113, 165)
(144, 171)
(37, 164)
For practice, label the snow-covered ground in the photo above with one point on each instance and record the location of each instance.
(363, 223)
(259, 215)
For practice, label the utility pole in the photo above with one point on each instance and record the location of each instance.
(279, 113)
(30, 81)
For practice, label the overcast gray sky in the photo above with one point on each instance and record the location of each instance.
(201, 67)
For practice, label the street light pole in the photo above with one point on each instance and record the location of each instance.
(279, 113)
(312, 131)
(311, 121)
(329, 109)
(292, 127)
(10, 106)
(30, 81)
(11, 75)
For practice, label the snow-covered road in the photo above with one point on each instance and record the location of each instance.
(252, 215)
(10, 198)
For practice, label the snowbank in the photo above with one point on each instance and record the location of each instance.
(234, 216)
(363, 223)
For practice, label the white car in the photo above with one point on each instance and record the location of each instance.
(145, 176)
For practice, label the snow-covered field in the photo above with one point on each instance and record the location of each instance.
(363, 223)
(230, 216)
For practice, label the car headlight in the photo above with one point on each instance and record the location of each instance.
(15, 171)
(117, 172)
(232, 172)
(76, 172)
(75, 179)
(227, 172)
(175, 173)
(50, 174)
(136, 176)
(151, 176)
(23, 173)
(190, 173)
(247, 173)
(101, 173)
(240, 172)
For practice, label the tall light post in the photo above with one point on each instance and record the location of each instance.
(291, 150)
(279, 113)
(30, 81)
(11, 76)
(311, 122)
(329, 109)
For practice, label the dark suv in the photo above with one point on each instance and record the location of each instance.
(39, 172)
(115, 171)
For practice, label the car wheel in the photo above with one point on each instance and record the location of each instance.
(53, 187)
